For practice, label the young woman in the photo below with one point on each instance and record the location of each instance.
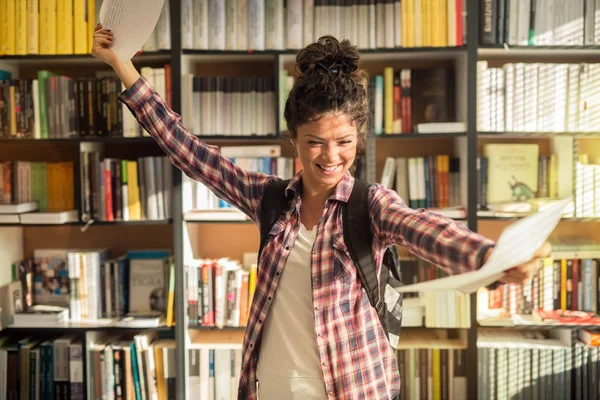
(312, 333)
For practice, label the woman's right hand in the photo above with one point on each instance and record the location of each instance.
(103, 39)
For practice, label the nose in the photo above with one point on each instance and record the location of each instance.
(330, 151)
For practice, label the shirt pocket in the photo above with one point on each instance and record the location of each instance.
(343, 266)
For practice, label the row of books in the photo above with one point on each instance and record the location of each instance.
(539, 23)
(55, 106)
(424, 182)
(587, 187)
(566, 281)
(432, 373)
(260, 25)
(402, 100)
(35, 367)
(218, 105)
(91, 286)
(532, 97)
(124, 190)
(526, 363)
(142, 366)
(63, 27)
(435, 309)
(214, 372)
(48, 184)
(219, 292)
(200, 202)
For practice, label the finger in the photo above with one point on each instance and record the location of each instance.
(98, 36)
(98, 27)
(517, 275)
(103, 32)
(105, 42)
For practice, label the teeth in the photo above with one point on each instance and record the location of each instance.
(328, 168)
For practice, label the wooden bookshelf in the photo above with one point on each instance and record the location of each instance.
(216, 239)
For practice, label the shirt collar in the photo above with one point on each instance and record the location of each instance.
(341, 192)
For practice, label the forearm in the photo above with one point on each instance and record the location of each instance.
(126, 72)
(430, 236)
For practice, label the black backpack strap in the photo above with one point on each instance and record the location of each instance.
(272, 205)
(358, 238)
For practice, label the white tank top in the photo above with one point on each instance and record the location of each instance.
(288, 364)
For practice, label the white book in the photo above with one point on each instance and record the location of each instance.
(513, 22)
(163, 28)
(18, 208)
(37, 134)
(381, 20)
(216, 20)
(451, 22)
(274, 33)
(231, 19)
(256, 24)
(187, 24)
(352, 22)
(372, 22)
(389, 172)
(294, 24)
(200, 24)
(308, 8)
(509, 85)
(251, 151)
(242, 29)
(398, 23)
(389, 27)
(523, 22)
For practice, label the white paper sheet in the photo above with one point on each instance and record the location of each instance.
(131, 22)
(516, 245)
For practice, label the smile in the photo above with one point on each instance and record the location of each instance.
(329, 169)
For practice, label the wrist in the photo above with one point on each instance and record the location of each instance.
(126, 72)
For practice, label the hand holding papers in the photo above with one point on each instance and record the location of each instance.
(132, 22)
(517, 245)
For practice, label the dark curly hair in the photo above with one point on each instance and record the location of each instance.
(328, 80)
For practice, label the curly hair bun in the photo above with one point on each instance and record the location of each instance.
(328, 55)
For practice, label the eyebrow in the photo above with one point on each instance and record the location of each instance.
(320, 138)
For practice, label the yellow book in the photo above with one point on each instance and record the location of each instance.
(171, 294)
(436, 374)
(80, 31)
(47, 27)
(441, 23)
(7, 27)
(33, 32)
(161, 385)
(251, 284)
(12, 101)
(388, 102)
(410, 26)
(133, 192)
(21, 27)
(91, 22)
(64, 27)
(426, 23)
(563, 284)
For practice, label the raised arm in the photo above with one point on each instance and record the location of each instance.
(198, 160)
(430, 236)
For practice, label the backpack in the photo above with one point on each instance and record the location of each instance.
(358, 237)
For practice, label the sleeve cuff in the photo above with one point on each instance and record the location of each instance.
(482, 251)
(136, 95)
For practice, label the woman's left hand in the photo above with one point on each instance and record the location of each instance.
(523, 273)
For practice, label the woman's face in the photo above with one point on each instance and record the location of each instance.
(327, 149)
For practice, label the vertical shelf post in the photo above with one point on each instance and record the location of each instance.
(176, 201)
(472, 57)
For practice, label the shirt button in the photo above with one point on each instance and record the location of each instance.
(260, 321)
(315, 281)
(287, 247)
(251, 345)
(319, 334)
(324, 364)
(277, 273)
(330, 393)
(316, 308)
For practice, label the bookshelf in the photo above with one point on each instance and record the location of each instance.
(209, 239)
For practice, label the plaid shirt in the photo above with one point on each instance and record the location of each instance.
(356, 358)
